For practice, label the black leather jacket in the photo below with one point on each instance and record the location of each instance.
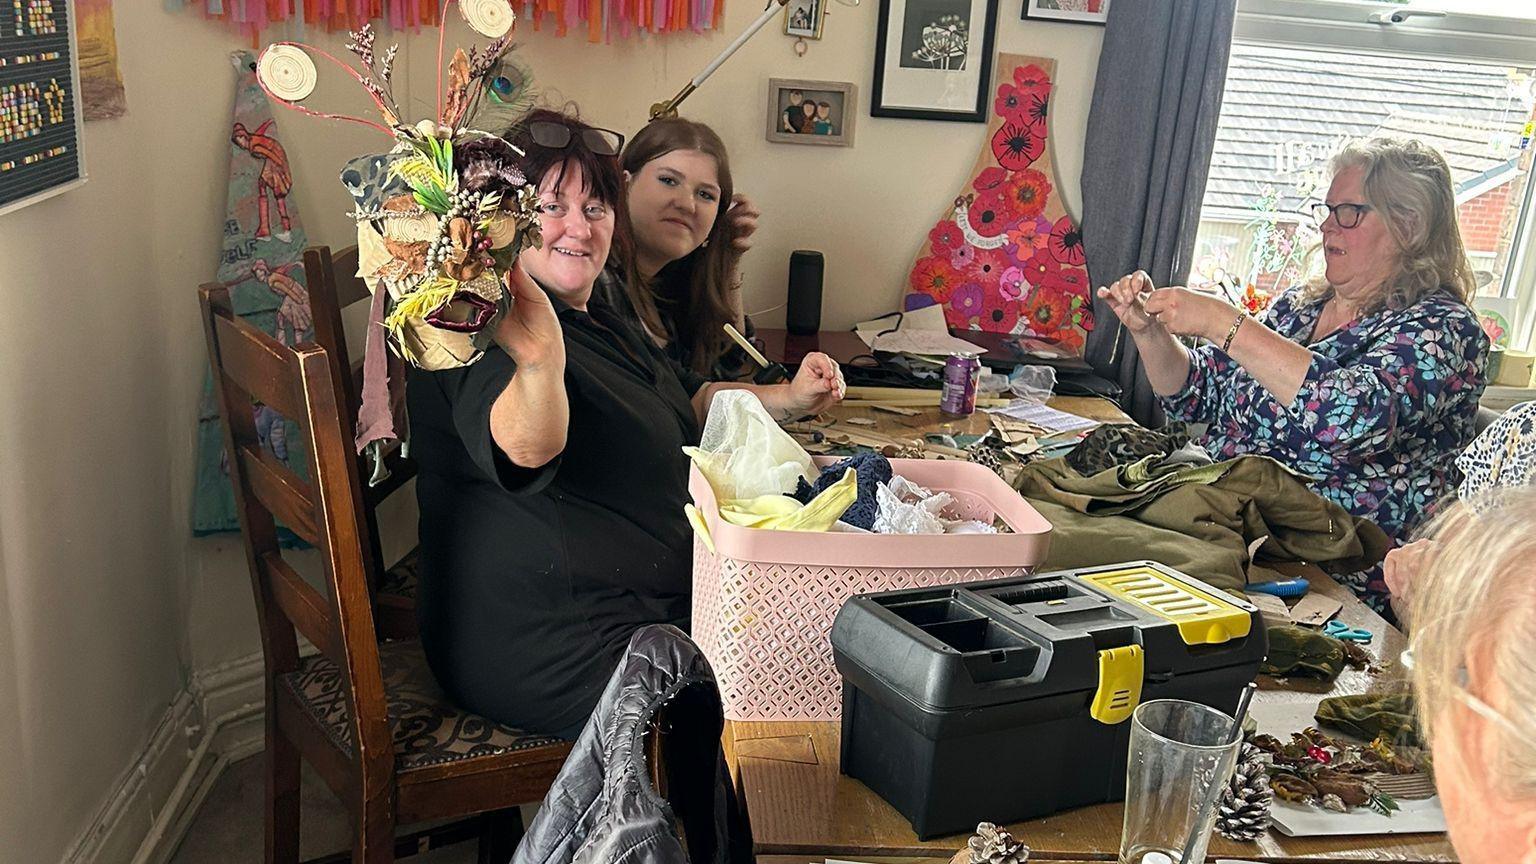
(603, 807)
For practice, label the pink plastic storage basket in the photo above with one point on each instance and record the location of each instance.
(763, 601)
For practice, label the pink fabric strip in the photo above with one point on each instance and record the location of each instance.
(376, 419)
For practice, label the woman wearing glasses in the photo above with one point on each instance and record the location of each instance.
(1475, 675)
(552, 483)
(1366, 379)
(689, 230)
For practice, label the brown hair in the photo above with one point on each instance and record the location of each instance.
(699, 282)
(1408, 183)
(600, 175)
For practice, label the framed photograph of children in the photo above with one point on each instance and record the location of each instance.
(1076, 11)
(803, 18)
(811, 112)
(933, 59)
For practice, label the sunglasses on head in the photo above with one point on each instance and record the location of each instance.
(558, 136)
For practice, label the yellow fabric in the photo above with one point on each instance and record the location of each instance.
(696, 519)
(782, 513)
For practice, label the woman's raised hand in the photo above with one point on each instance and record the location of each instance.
(1127, 299)
(1183, 312)
(529, 331)
(743, 216)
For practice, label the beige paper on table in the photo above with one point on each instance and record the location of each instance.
(1314, 610)
(1272, 608)
(928, 342)
(929, 318)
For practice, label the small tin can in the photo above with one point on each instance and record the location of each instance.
(962, 372)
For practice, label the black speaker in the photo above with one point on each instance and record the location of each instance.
(803, 317)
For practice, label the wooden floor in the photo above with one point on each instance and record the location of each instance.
(227, 828)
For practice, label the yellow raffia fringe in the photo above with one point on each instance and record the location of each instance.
(419, 171)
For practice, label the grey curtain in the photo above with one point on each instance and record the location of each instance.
(1151, 128)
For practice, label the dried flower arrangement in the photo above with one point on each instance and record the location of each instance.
(1317, 769)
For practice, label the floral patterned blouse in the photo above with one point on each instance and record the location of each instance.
(1388, 403)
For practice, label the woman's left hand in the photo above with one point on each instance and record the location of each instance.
(817, 386)
(743, 216)
(1401, 567)
(1183, 312)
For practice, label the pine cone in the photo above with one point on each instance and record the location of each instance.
(1243, 813)
(993, 845)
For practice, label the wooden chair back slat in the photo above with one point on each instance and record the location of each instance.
(333, 286)
(304, 606)
(262, 372)
(280, 491)
(350, 288)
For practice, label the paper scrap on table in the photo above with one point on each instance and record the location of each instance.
(1314, 610)
(927, 318)
(1274, 610)
(933, 342)
(1044, 416)
(1414, 817)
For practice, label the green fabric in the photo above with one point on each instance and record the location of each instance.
(1146, 510)
(1378, 715)
(1299, 652)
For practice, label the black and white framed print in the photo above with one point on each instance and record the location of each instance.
(933, 59)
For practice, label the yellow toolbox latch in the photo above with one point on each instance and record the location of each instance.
(1120, 674)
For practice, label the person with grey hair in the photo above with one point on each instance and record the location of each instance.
(1366, 379)
(1475, 674)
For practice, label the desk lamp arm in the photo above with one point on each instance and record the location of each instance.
(669, 108)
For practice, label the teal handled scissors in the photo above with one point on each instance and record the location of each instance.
(1339, 630)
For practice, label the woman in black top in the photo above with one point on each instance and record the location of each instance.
(551, 479)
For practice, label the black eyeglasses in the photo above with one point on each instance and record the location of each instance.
(557, 136)
(1347, 215)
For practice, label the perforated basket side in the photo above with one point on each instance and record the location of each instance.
(766, 628)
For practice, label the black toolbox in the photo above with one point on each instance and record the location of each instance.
(1011, 699)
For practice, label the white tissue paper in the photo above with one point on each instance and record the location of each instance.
(903, 507)
(744, 454)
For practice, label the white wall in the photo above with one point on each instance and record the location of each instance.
(107, 601)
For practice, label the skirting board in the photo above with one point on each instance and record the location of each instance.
(216, 720)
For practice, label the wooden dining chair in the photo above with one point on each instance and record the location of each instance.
(333, 287)
(367, 715)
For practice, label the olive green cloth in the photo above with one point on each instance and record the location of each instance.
(1297, 651)
(1148, 510)
(1392, 716)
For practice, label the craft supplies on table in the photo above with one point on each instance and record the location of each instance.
(1046, 417)
(1007, 700)
(763, 601)
(1344, 632)
(1282, 588)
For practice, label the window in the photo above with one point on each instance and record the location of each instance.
(1308, 75)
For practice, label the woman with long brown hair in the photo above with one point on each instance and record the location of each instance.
(688, 229)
